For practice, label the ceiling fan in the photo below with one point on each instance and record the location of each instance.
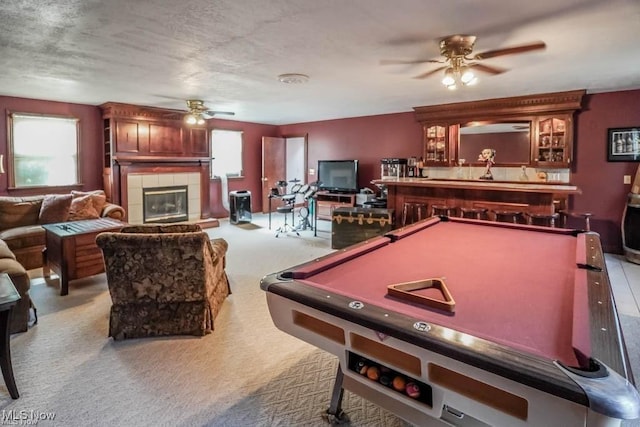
(460, 63)
(198, 112)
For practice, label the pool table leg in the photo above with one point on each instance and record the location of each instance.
(334, 414)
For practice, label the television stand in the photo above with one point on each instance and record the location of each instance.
(327, 201)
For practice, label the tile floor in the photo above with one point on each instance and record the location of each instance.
(625, 281)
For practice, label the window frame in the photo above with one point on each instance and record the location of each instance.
(212, 175)
(11, 169)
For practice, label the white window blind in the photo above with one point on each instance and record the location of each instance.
(226, 153)
(44, 150)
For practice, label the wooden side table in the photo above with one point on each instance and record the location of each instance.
(9, 296)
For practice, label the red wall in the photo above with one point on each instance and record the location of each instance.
(367, 139)
(90, 135)
(603, 191)
(371, 138)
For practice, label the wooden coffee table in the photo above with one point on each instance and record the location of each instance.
(71, 250)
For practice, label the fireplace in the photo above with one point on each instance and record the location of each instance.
(165, 204)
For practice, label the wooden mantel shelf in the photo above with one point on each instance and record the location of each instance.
(527, 187)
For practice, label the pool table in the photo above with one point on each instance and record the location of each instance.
(531, 335)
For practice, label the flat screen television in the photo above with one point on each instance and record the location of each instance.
(338, 176)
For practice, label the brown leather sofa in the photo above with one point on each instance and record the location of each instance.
(21, 226)
(22, 240)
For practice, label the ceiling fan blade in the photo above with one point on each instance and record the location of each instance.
(510, 50)
(408, 62)
(487, 68)
(429, 73)
(219, 113)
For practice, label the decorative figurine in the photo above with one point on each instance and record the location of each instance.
(487, 155)
(523, 176)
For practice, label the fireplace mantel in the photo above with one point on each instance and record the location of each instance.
(145, 140)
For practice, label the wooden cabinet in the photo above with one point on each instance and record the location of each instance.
(155, 137)
(129, 137)
(327, 202)
(439, 144)
(133, 132)
(198, 141)
(549, 115)
(142, 138)
(553, 141)
(166, 139)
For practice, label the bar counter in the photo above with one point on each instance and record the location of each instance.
(526, 197)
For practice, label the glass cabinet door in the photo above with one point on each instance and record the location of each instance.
(553, 143)
(436, 145)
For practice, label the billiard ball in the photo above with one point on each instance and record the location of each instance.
(412, 390)
(373, 373)
(363, 369)
(399, 383)
(385, 380)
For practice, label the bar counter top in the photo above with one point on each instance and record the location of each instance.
(477, 184)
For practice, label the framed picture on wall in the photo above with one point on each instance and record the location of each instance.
(623, 145)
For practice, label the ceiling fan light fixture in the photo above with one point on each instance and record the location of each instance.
(459, 74)
(200, 121)
(449, 78)
(466, 75)
(190, 119)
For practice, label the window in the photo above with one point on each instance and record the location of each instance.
(44, 150)
(226, 153)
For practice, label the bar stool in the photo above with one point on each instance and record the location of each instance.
(565, 213)
(547, 220)
(443, 210)
(412, 212)
(507, 216)
(477, 213)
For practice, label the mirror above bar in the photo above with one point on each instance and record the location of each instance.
(511, 140)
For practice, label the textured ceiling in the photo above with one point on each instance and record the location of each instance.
(230, 52)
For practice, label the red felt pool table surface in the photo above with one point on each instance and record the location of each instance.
(510, 286)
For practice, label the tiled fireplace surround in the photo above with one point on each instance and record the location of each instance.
(130, 176)
(137, 181)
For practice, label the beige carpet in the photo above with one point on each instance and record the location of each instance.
(247, 373)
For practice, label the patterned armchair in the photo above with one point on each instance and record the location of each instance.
(163, 280)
